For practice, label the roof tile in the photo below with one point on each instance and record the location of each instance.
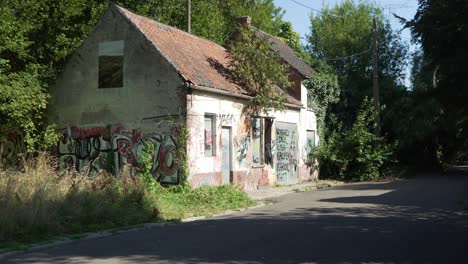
(199, 60)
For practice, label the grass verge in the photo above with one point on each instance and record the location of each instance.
(39, 203)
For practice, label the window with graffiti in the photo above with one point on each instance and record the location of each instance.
(257, 140)
(111, 58)
(209, 135)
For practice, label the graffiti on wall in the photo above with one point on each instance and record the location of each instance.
(286, 153)
(11, 149)
(242, 147)
(97, 148)
(225, 119)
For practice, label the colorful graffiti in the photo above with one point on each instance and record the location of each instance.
(97, 148)
(286, 153)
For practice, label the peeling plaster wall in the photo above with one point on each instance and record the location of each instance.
(150, 84)
(113, 123)
(228, 112)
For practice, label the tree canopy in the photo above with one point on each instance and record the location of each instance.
(441, 27)
(38, 36)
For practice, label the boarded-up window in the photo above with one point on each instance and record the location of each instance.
(257, 139)
(111, 58)
(209, 135)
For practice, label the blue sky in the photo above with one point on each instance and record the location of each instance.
(298, 15)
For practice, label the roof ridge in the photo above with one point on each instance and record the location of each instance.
(122, 11)
(165, 25)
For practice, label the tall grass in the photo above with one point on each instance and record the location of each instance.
(39, 203)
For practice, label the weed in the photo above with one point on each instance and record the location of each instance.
(40, 203)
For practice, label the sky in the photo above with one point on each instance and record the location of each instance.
(298, 15)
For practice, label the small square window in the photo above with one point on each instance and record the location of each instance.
(111, 58)
(210, 146)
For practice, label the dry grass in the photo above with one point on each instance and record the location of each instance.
(38, 202)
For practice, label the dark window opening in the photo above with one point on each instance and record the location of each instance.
(268, 143)
(111, 59)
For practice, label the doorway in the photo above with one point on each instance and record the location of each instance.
(226, 154)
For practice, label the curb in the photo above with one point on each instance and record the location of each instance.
(111, 232)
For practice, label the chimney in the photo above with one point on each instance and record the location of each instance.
(244, 20)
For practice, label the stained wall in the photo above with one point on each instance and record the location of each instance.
(109, 126)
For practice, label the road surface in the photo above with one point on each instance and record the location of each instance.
(422, 220)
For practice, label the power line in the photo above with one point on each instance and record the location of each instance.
(301, 4)
(349, 56)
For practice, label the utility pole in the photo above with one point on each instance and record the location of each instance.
(189, 22)
(376, 82)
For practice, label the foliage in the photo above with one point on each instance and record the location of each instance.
(355, 154)
(37, 37)
(257, 67)
(212, 19)
(181, 201)
(342, 37)
(182, 141)
(323, 91)
(177, 203)
(293, 39)
(440, 28)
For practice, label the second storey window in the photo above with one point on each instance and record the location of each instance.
(111, 58)
(209, 135)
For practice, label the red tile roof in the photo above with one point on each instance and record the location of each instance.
(200, 61)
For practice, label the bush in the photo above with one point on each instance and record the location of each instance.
(357, 154)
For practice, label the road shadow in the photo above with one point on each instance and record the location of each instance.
(391, 226)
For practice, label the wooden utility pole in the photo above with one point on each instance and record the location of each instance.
(189, 18)
(376, 82)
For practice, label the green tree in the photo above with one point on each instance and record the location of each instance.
(352, 154)
(323, 91)
(258, 68)
(440, 26)
(38, 36)
(342, 37)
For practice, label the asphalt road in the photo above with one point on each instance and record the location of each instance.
(423, 220)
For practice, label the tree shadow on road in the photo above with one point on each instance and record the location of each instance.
(402, 223)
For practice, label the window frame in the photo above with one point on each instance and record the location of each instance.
(119, 49)
(307, 138)
(261, 144)
(213, 134)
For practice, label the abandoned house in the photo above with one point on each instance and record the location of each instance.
(135, 80)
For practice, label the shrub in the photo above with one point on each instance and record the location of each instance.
(357, 154)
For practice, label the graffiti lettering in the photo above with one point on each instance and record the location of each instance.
(92, 149)
(225, 119)
(286, 153)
